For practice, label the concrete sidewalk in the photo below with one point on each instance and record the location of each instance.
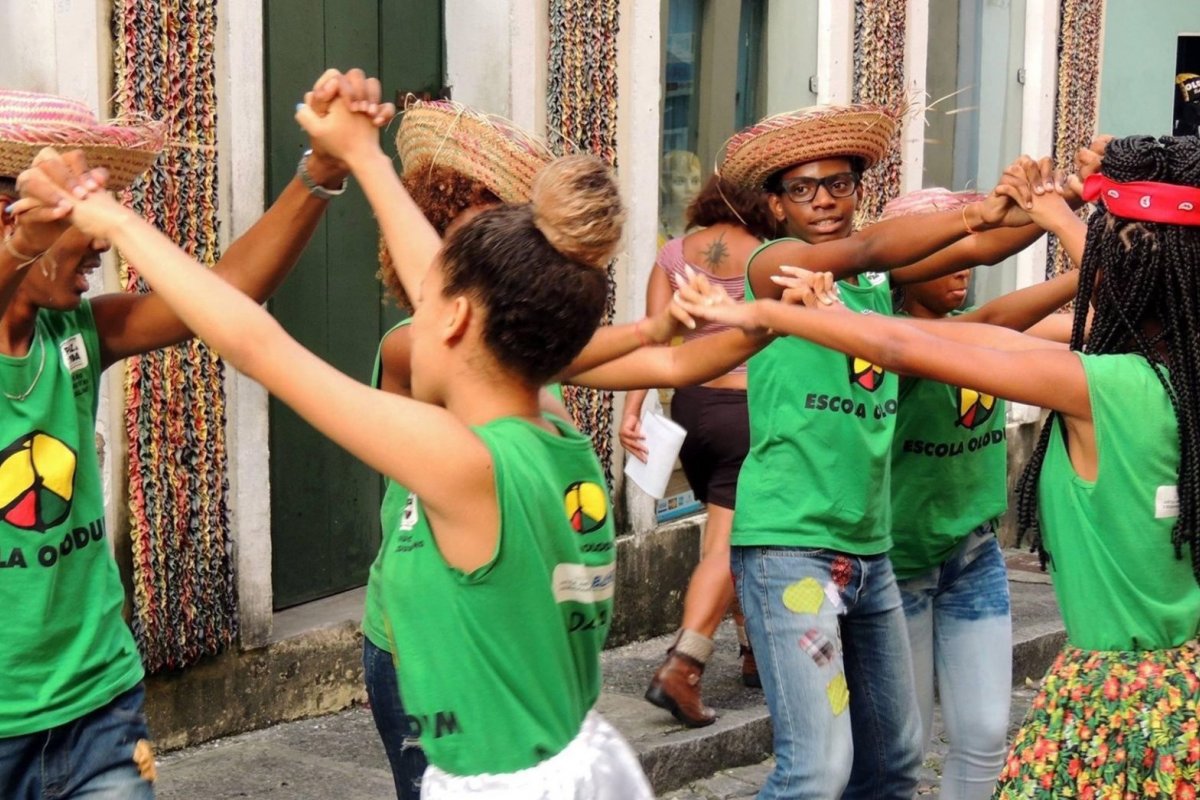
(339, 756)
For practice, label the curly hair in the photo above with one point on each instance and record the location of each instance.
(720, 201)
(1142, 280)
(441, 194)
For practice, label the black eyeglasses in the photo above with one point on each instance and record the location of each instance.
(803, 190)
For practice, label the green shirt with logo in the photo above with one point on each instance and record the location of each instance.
(817, 473)
(390, 510)
(499, 667)
(394, 498)
(949, 470)
(67, 650)
(1115, 574)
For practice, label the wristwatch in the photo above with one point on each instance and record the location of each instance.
(315, 189)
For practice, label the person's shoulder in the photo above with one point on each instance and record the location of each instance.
(782, 240)
(73, 320)
(773, 243)
(670, 253)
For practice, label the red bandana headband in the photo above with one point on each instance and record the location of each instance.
(1146, 201)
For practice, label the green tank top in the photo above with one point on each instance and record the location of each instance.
(1114, 569)
(499, 667)
(394, 498)
(949, 470)
(67, 650)
(817, 473)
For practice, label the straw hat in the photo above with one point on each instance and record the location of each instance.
(796, 137)
(926, 201)
(30, 121)
(482, 147)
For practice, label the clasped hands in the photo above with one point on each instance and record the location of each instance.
(58, 186)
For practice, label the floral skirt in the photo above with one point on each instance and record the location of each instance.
(1110, 725)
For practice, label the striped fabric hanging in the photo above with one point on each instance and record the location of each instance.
(184, 604)
(879, 35)
(581, 104)
(1080, 28)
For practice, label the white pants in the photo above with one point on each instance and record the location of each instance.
(597, 765)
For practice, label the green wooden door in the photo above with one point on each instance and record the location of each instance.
(324, 503)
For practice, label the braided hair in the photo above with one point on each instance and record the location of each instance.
(1146, 301)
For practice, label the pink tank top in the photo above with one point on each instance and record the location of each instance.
(670, 260)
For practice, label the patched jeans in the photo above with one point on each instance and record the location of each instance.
(960, 628)
(91, 757)
(828, 633)
(404, 752)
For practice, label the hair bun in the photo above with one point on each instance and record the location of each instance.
(578, 209)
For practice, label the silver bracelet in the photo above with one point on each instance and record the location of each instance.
(315, 189)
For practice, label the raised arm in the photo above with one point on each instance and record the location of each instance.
(255, 264)
(884, 245)
(701, 360)
(29, 229)
(441, 460)
(977, 250)
(1054, 214)
(1022, 181)
(1052, 378)
(1024, 308)
(689, 364)
(349, 136)
(983, 335)
(658, 297)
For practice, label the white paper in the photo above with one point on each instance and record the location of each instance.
(664, 437)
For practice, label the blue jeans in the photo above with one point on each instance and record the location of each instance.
(828, 633)
(399, 740)
(960, 627)
(89, 758)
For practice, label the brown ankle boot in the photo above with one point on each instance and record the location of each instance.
(750, 669)
(676, 687)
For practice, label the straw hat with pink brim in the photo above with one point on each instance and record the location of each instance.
(927, 201)
(30, 121)
(484, 148)
(785, 140)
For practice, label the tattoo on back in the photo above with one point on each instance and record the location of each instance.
(716, 252)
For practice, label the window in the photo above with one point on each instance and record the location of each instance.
(1187, 86)
(974, 81)
(725, 65)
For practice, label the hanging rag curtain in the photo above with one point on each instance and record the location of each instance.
(879, 35)
(184, 604)
(1080, 27)
(581, 104)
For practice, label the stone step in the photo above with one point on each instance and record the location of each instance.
(675, 756)
(339, 755)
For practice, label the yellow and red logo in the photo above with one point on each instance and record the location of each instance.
(865, 374)
(37, 482)
(974, 408)
(586, 504)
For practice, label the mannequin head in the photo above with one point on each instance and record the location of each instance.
(679, 183)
